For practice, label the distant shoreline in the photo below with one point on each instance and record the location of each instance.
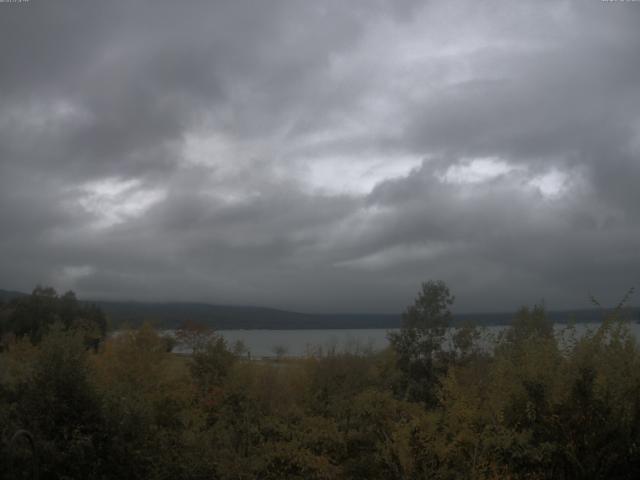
(170, 315)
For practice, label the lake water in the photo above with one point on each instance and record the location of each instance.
(297, 343)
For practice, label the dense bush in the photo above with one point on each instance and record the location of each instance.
(438, 404)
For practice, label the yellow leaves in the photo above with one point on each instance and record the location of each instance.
(16, 363)
(287, 460)
(272, 387)
(510, 414)
(135, 373)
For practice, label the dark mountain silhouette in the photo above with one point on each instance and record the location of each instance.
(6, 295)
(225, 317)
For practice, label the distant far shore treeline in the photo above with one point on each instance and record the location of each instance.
(171, 315)
(541, 404)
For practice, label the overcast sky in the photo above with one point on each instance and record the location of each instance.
(322, 156)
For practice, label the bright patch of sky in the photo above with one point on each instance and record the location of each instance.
(475, 171)
(113, 201)
(212, 150)
(356, 176)
(68, 275)
(551, 183)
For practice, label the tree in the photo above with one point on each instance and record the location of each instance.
(279, 351)
(33, 315)
(240, 349)
(529, 323)
(418, 344)
(59, 405)
(210, 363)
(194, 336)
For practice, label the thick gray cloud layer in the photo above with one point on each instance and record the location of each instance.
(321, 156)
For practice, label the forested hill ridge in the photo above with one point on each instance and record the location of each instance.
(226, 317)
(6, 295)
(76, 403)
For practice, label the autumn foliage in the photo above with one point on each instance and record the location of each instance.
(440, 403)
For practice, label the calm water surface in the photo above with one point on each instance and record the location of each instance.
(263, 343)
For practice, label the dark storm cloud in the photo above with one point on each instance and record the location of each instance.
(322, 156)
